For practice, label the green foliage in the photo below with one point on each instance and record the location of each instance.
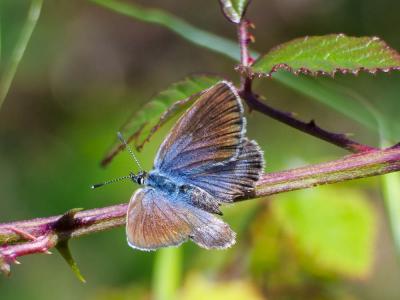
(9, 71)
(391, 194)
(65, 252)
(310, 241)
(333, 229)
(167, 273)
(198, 288)
(176, 98)
(185, 30)
(234, 9)
(328, 54)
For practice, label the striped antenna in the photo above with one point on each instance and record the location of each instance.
(97, 185)
(123, 141)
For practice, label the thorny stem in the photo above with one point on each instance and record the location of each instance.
(340, 140)
(49, 231)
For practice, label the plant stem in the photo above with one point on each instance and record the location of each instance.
(340, 140)
(15, 237)
(19, 50)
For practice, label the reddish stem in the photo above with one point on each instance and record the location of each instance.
(15, 237)
(340, 140)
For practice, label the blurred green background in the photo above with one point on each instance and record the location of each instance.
(86, 69)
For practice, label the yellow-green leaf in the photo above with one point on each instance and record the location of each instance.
(198, 287)
(143, 124)
(333, 229)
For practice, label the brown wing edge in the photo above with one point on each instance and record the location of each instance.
(151, 225)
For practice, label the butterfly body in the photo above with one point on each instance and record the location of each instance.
(205, 161)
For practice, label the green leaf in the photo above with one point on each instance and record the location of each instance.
(18, 52)
(182, 28)
(328, 55)
(65, 252)
(234, 10)
(197, 287)
(143, 124)
(333, 229)
(167, 273)
(391, 196)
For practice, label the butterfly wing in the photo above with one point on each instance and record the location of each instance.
(234, 179)
(155, 220)
(207, 147)
(210, 132)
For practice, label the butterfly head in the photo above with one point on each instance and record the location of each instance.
(140, 178)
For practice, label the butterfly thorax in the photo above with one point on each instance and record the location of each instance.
(161, 182)
(187, 193)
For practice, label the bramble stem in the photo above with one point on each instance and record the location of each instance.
(340, 140)
(48, 231)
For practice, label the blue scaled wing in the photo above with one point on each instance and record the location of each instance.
(234, 179)
(155, 220)
(210, 131)
(207, 147)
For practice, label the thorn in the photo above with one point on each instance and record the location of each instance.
(312, 123)
(251, 25)
(250, 38)
(17, 262)
(67, 221)
(348, 134)
(4, 266)
(395, 146)
(22, 233)
(48, 252)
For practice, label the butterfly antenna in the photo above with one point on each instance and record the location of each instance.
(123, 141)
(97, 185)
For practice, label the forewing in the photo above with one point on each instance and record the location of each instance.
(155, 221)
(209, 132)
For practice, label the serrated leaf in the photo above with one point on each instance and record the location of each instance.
(65, 252)
(234, 9)
(143, 124)
(333, 229)
(327, 55)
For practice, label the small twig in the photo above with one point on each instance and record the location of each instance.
(244, 38)
(10, 253)
(15, 237)
(340, 140)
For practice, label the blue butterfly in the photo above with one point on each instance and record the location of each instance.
(205, 161)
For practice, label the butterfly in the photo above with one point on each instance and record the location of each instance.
(205, 161)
